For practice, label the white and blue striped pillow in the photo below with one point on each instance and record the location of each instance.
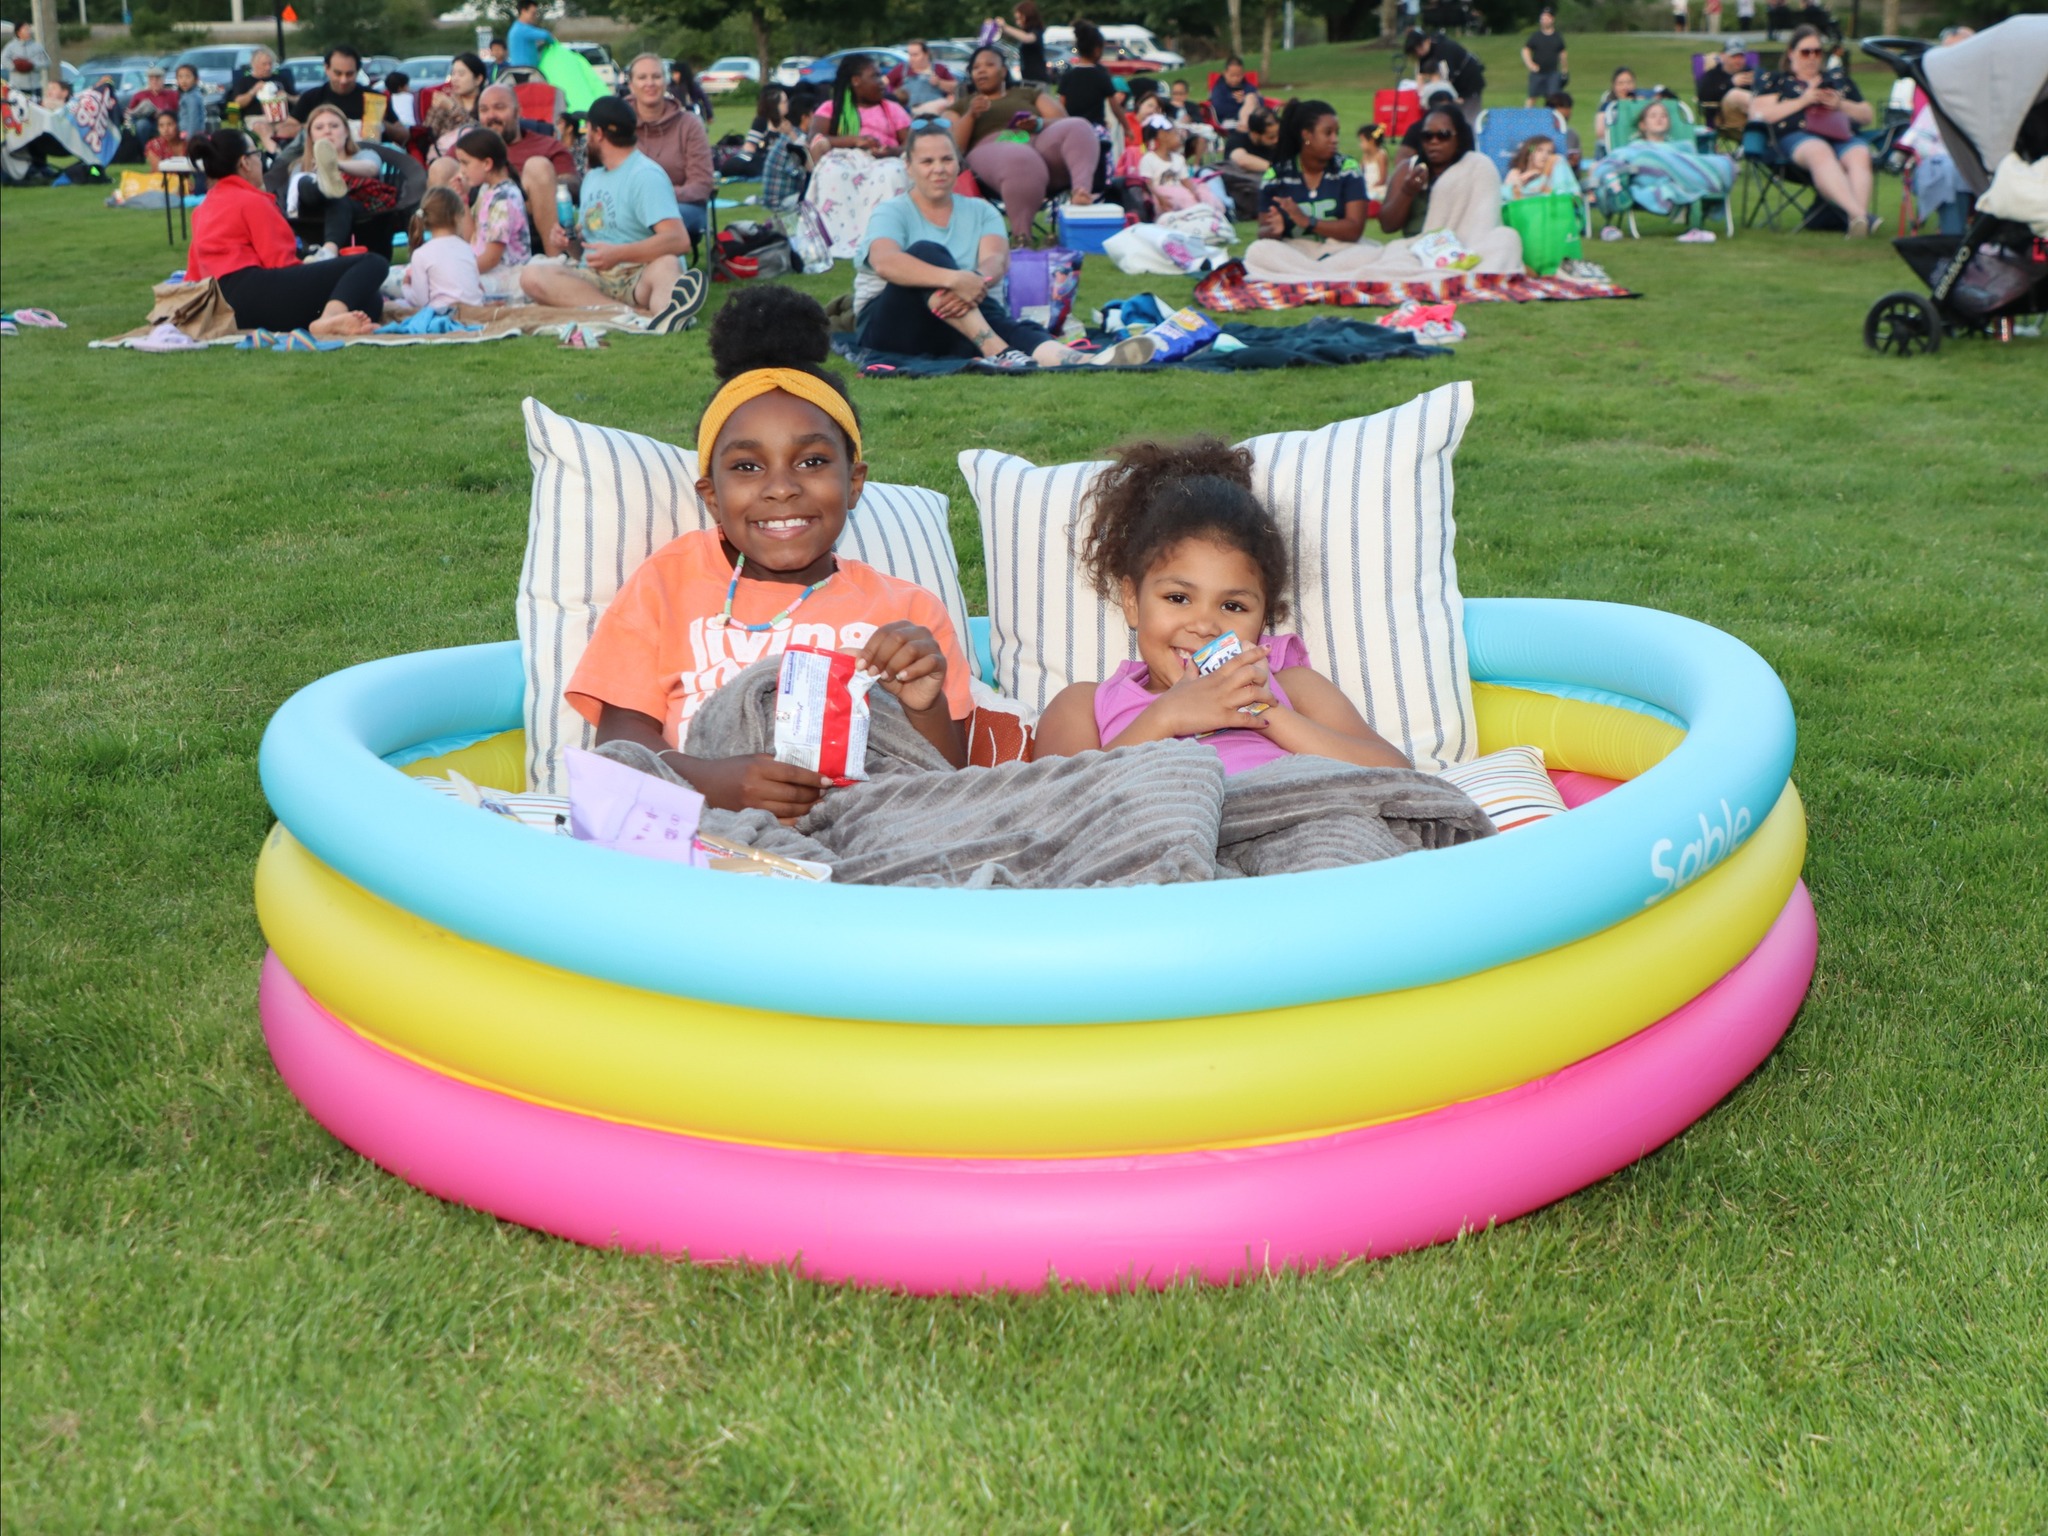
(604, 500)
(1365, 505)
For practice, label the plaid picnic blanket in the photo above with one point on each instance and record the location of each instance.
(1228, 290)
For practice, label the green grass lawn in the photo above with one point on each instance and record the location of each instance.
(1820, 1309)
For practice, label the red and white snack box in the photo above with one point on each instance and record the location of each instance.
(821, 713)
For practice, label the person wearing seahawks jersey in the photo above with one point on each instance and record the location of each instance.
(1311, 201)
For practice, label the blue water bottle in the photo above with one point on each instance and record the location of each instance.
(565, 210)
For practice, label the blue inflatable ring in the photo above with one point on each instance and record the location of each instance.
(1039, 957)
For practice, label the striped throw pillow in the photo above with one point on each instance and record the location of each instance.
(604, 500)
(1510, 786)
(1365, 505)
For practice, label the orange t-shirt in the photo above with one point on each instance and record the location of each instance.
(658, 651)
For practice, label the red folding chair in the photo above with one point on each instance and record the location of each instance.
(540, 101)
(1396, 111)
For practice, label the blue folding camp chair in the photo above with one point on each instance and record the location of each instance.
(1503, 130)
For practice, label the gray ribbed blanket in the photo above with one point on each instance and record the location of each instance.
(1148, 815)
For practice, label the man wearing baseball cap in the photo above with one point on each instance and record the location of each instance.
(151, 102)
(629, 234)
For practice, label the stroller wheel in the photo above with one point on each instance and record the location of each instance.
(1902, 324)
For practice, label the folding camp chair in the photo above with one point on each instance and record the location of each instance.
(1771, 185)
(540, 102)
(1503, 130)
(1624, 128)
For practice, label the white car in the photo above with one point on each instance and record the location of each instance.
(1135, 45)
(729, 74)
(791, 70)
(600, 59)
(471, 13)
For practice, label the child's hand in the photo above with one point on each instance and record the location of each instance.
(756, 783)
(907, 660)
(1197, 705)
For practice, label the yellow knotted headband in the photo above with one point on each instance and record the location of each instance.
(756, 382)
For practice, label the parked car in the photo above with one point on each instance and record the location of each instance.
(473, 14)
(376, 67)
(423, 70)
(956, 52)
(729, 74)
(790, 70)
(303, 72)
(820, 71)
(601, 60)
(216, 65)
(1126, 44)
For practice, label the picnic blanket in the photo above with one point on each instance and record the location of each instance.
(1161, 813)
(1229, 290)
(201, 311)
(1324, 343)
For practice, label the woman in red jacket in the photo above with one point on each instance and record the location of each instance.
(242, 242)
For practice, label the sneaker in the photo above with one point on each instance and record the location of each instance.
(1610, 233)
(1009, 361)
(1583, 271)
(322, 253)
(1697, 237)
(684, 300)
(1131, 352)
(327, 168)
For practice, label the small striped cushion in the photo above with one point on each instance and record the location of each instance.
(1365, 505)
(1510, 786)
(604, 500)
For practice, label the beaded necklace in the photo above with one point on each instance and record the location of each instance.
(781, 620)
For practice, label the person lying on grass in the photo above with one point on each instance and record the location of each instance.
(779, 452)
(1175, 533)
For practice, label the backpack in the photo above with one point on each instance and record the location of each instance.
(753, 250)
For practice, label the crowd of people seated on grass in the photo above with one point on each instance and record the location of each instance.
(1399, 210)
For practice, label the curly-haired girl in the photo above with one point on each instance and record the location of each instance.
(1175, 534)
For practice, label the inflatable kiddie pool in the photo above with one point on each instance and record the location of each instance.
(946, 1090)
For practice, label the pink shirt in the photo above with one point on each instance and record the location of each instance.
(441, 274)
(885, 121)
(1124, 697)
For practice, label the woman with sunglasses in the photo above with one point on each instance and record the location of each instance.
(1448, 185)
(242, 242)
(1815, 113)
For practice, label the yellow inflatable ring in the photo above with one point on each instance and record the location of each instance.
(714, 1070)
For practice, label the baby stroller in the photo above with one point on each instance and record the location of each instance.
(1990, 98)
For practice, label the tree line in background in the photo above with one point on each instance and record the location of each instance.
(767, 29)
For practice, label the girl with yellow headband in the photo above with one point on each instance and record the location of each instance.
(779, 452)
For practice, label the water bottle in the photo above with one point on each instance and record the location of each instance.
(565, 211)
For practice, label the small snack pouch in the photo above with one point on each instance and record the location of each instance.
(1215, 654)
(1439, 248)
(821, 713)
(1181, 333)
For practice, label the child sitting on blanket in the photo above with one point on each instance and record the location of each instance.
(442, 271)
(779, 453)
(1165, 169)
(1175, 533)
